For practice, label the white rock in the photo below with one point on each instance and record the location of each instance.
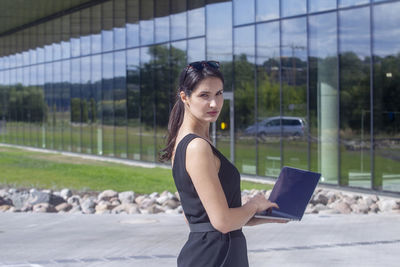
(107, 195)
(126, 197)
(65, 193)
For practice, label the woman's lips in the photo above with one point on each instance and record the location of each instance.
(212, 113)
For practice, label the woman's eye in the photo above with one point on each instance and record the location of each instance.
(220, 92)
(203, 95)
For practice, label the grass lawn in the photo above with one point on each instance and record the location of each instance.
(26, 169)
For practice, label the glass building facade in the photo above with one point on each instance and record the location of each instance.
(308, 84)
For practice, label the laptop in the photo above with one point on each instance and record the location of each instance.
(292, 192)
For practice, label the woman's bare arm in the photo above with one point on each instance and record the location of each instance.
(200, 164)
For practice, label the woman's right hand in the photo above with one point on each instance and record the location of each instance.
(262, 203)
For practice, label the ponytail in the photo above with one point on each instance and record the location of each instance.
(175, 122)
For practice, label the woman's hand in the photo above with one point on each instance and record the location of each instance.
(262, 203)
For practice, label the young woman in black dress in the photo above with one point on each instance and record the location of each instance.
(208, 184)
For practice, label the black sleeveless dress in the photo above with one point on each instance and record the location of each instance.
(208, 248)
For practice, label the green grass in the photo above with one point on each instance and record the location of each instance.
(22, 168)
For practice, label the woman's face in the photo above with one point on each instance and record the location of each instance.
(205, 102)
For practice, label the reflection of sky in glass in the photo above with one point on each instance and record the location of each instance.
(196, 49)
(66, 69)
(107, 40)
(40, 76)
(293, 7)
(119, 64)
(2, 63)
(219, 31)
(12, 77)
(25, 76)
(354, 31)
(196, 23)
(18, 76)
(322, 30)
(56, 51)
(96, 43)
(181, 45)
(267, 41)
(244, 42)
(40, 54)
(161, 27)
(132, 34)
(119, 38)
(320, 5)
(33, 75)
(57, 72)
(178, 26)
(267, 10)
(75, 70)
(48, 75)
(48, 53)
(75, 48)
(18, 62)
(144, 55)
(66, 50)
(243, 11)
(132, 59)
(32, 56)
(85, 70)
(386, 29)
(25, 58)
(294, 38)
(108, 66)
(344, 3)
(85, 45)
(146, 32)
(96, 68)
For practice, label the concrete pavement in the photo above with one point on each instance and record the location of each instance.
(36, 240)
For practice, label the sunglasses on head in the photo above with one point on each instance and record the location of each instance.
(199, 65)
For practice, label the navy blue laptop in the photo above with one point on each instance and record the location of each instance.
(292, 192)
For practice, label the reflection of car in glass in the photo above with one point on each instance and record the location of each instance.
(291, 126)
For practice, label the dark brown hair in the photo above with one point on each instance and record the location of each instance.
(188, 80)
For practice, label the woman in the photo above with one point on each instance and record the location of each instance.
(208, 184)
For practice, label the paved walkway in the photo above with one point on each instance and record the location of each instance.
(36, 240)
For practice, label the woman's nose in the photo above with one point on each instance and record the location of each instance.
(213, 103)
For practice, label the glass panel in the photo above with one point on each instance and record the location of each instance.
(120, 104)
(245, 146)
(268, 98)
(147, 96)
(323, 97)
(107, 26)
(13, 104)
(25, 111)
(146, 22)
(318, 5)
(66, 105)
(85, 32)
(267, 10)
(132, 26)
(196, 49)
(107, 104)
(294, 93)
(3, 104)
(161, 21)
(344, 3)
(86, 120)
(49, 97)
(66, 33)
(45, 112)
(57, 109)
(178, 19)
(162, 93)
(95, 20)
(119, 24)
(75, 34)
(133, 105)
(243, 11)
(76, 105)
(36, 106)
(386, 102)
(56, 36)
(293, 7)
(196, 18)
(95, 106)
(355, 97)
(219, 39)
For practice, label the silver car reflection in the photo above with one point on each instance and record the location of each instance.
(291, 126)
